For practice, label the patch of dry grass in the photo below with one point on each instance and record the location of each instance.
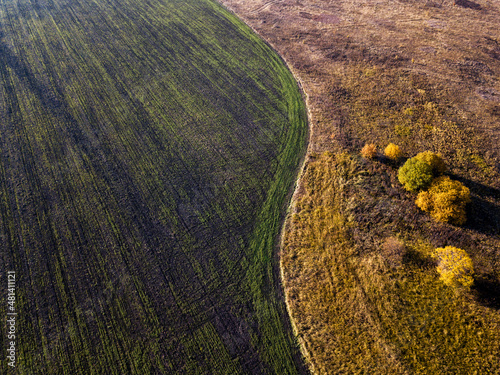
(339, 330)
(365, 301)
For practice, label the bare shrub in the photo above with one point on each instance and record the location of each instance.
(393, 251)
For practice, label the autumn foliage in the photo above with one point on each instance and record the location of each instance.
(434, 160)
(369, 151)
(445, 200)
(393, 151)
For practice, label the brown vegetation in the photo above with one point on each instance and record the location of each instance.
(363, 286)
(393, 251)
(369, 151)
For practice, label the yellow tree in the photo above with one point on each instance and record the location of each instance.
(435, 161)
(393, 151)
(445, 200)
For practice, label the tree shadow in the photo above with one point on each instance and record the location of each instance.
(483, 215)
(477, 187)
(418, 259)
(467, 4)
(443, 234)
(487, 292)
(393, 164)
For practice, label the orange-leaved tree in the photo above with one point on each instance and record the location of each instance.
(369, 151)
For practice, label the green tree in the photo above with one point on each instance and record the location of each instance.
(434, 160)
(415, 174)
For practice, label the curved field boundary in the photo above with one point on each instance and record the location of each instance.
(298, 182)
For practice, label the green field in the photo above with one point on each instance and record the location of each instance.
(147, 153)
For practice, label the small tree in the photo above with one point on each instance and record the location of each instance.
(369, 151)
(455, 266)
(445, 200)
(434, 160)
(392, 151)
(415, 174)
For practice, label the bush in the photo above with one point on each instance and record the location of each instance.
(454, 266)
(445, 200)
(415, 174)
(392, 151)
(434, 160)
(369, 151)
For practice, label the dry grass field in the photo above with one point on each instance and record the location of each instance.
(360, 280)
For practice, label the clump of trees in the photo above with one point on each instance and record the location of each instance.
(443, 198)
(455, 266)
(392, 151)
(419, 171)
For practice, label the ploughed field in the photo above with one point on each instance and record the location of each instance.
(147, 152)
